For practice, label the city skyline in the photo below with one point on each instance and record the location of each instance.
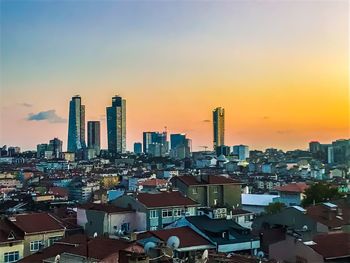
(272, 73)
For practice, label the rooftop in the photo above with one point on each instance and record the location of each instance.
(206, 179)
(293, 187)
(108, 208)
(165, 199)
(36, 222)
(335, 245)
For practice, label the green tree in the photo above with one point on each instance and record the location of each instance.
(320, 192)
(274, 208)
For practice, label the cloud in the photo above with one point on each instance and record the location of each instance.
(49, 116)
(206, 121)
(25, 104)
(266, 117)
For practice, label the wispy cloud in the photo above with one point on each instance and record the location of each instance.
(25, 104)
(49, 116)
(266, 117)
(206, 121)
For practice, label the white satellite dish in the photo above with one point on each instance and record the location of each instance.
(173, 242)
(305, 228)
(57, 259)
(148, 246)
(95, 234)
(205, 254)
(260, 254)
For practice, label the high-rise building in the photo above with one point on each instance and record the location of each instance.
(155, 138)
(116, 125)
(76, 126)
(242, 151)
(137, 147)
(94, 141)
(55, 145)
(176, 140)
(219, 127)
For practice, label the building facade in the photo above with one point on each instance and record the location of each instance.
(94, 136)
(219, 127)
(76, 126)
(116, 125)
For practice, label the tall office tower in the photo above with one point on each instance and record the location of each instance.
(137, 147)
(76, 126)
(242, 152)
(147, 140)
(55, 145)
(176, 140)
(116, 125)
(219, 127)
(94, 141)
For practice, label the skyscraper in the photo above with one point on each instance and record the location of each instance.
(219, 127)
(76, 126)
(55, 145)
(116, 125)
(137, 147)
(155, 138)
(94, 141)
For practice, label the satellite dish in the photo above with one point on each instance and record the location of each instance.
(148, 246)
(205, 254)
(173, 242)
(305, 228)
(95, 234)
(260, 254)
(57, 259)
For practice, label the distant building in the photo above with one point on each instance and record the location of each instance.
(41, 149)
(159, 142)
(180, 146)
(223, 150)
(116, 125)
(210, 190)
(94, 136)
(12, 151)
(292, 194)
(76, 127)
(55, 145)
(137, 147)
(242, 151)
(219, 127)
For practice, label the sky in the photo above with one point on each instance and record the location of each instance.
(279, 68)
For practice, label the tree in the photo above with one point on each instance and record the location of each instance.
(274, 208)
(320, 192)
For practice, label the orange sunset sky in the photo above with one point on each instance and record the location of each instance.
(279, 68)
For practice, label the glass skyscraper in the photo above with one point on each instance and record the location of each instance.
(76, 126)
(116, 125)
(219, 127)
(94, 141)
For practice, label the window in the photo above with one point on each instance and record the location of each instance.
(194, 190)
(10, 257)
(153, 214)
(177, 212)
(53, 239)
(167, 213)
(35, 245)
(153, 228)
(125, 227)
(191, 211)
(215, 189)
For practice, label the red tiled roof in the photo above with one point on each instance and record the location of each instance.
(9, 233)
(293, 187)
(59, 191)
(49, 252)
(153, 182)
(188, 237)
(105, 208)
(100, 247)
(211, 179)
(332, 245)
(325, 216)
(38, 222)
(165, 199)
